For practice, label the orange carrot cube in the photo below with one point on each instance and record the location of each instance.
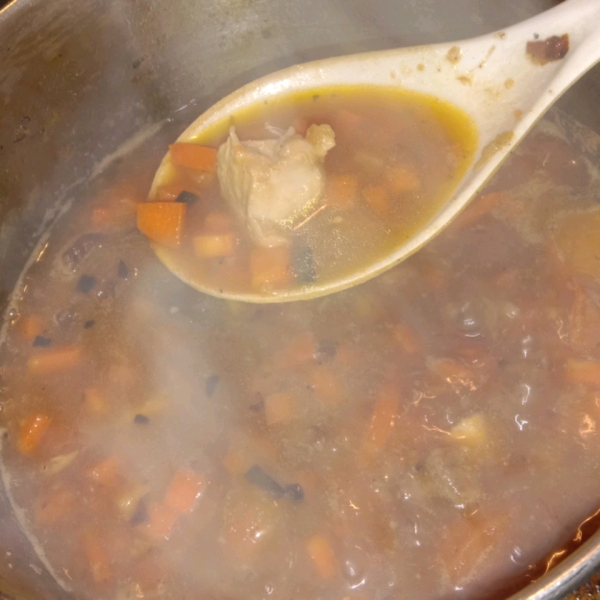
(270, 267)
(32, 431)
(161, 520)
(30, 327)
(194, 156)
(106, 472)
(185, 488)
(54, 360)
(162, 222)
(323, 557)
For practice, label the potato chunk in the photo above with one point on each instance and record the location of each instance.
(272, 184)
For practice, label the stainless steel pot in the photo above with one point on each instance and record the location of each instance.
(78, 79)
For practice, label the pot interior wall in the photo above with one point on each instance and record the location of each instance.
(78, 79)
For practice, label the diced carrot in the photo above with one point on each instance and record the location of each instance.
(194, 156)
(327, 387)
(30, 327)
(302, 350)
(217, 222)
(270, 267)
(54, 360)
(236, 462)
(32, 431)
(406, 338)
(383, 419)
(97, 557)
(403, 179)
(479, 208)
(105, 472)
(341, 190)
(280, 408)
(95, 402)
(214, 245)
(162, 222)
(378, 198)
(583, 371)
(323, 557)
(56, 507)
(185, 488)
(161, 520)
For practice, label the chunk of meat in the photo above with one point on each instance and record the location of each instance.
(272, 184)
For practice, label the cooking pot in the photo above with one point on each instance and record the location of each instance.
(79, 80)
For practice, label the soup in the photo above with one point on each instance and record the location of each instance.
(431, 433)
(331, 181)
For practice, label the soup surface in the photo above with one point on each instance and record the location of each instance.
(429, 434)
(395, 160)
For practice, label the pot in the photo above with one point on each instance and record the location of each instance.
(79, 80)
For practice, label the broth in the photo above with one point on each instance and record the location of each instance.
(431, 433)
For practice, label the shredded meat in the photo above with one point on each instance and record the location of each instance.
(271, 184)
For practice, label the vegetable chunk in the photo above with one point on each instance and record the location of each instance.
(323, 557)
(194, 156)
(162, 222)
(270, 184)
(32, 432)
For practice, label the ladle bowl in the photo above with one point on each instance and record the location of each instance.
(504, 81)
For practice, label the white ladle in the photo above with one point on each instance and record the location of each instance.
(492, 78)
